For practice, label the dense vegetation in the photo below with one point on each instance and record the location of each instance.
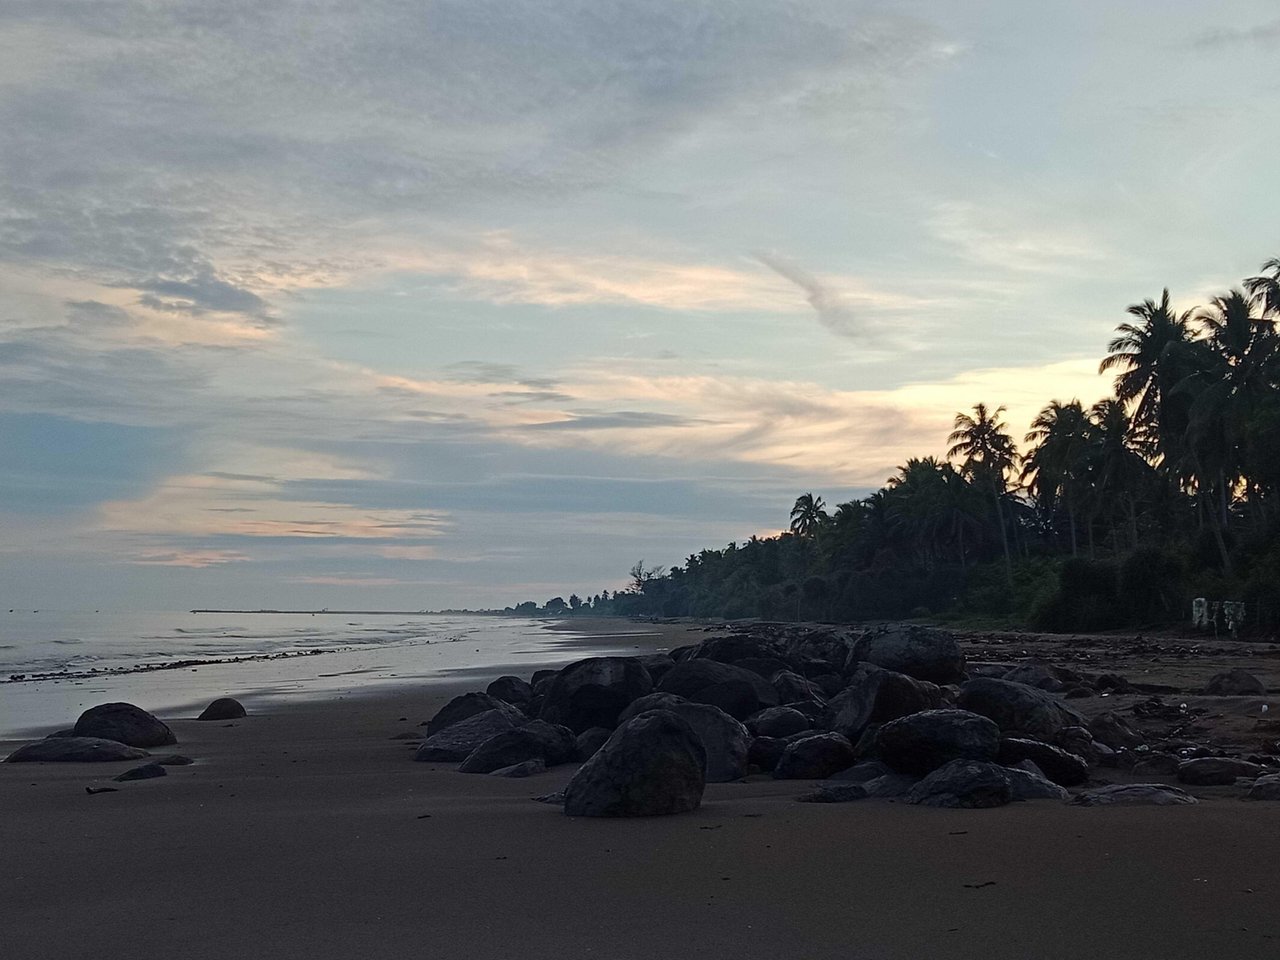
(1110, 515)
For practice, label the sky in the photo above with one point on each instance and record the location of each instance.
(424, 304)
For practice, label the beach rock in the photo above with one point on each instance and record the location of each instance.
(591, 740)
(1030, 783)
(730, 649)
(862, 772)
(526, 768)
(834, 793)
(68, 732)
(1079, 740)
(965, 784)
(511, 689)
(922, 742)
(737, 692)
(224, 708)
(1235, 683)
(876, 695)
(75, 750)
(1157, 764)
(657, 664)
(890, 786)
(920, 652)
(1115, 732)
(1017, 708)
(1217, 771)
(726, 741)
(1265, 788)
(791, 686)
(814, 757)
(1157, 794)
(456, 741)
(540, 677)
(125, 723)
(1038, 675)
(765, 752)
(767, 667)
(538, 740)
(148, 771)
(777, 722)
(829, 683)
(174, 760)
(1058, 765)
(594, 691)
(651, 766)
(469, 705)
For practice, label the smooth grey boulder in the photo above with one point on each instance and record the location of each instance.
(922, 742)
(1115, 731)
(1060, 766)
(1016, 707)
(652, 765)
(1155, 794)
(469, 705)
(538, 740)
(594, 691)
(75, 750)
(814, 757)
(920, 652)
(456, 741)
(737, 692)
(1235, 683)
(1217, 771)
(224, 708)
(513, 690)
(876, 695)
(591, 740)
(148, 771)
(1265, 788)
(1028, 782)
(125, 723)
(726, 741)
(777, 722)
(964, 784)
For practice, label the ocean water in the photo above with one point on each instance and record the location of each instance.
(54, 665)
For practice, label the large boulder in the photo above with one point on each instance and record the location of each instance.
(657, 664)
(1235, 683)
(1028, 782)
(1016, 707)
(735, 647)
(456, 741)
(777, 722)
(814, 757)
(591, 740)
(922, 742)
(511, 689)
(725, 740)
(652, 765)
(551, 744)
(1058, 765)
(737, 692)
(1265, 788)
(125, 723)
(876, 695)
(792, 687)
(593, 692)
(75, 750)
(224, 708)
(920, 652)
(468, 705)
(1217, 771)
(963, 783)
(1115, 731)
(767, 667)
(1157, 794)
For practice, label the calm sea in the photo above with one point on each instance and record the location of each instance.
(54, 665)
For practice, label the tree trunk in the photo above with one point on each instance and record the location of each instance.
(1004, 537)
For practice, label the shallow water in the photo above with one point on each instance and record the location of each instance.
(55, 665)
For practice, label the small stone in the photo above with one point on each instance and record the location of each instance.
(148, 771)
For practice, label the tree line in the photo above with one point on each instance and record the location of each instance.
(1108, 515)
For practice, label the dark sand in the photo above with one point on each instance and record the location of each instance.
(307, 832)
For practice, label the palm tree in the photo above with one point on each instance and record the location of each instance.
(1116, 465)
(1150, 358)
(1264, 290)
(988, 454)
(1055, 469)
(808, 515)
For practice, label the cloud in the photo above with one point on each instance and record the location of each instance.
(1260, 34)
(832, 309)
(192, 559)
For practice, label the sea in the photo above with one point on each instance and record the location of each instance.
(54, 665)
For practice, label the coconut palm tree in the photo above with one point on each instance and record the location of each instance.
(987, 455)
(1056, 470)
(808, 516)
(1264, 290)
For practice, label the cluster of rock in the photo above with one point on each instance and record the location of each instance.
(111, 732)
(890, 712)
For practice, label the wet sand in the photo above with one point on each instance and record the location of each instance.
(307, 832)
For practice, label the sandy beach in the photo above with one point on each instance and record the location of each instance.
(307, 831)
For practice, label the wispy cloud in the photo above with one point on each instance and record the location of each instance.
(1261, 34)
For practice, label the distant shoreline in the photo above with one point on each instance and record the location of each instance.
(369, 613)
